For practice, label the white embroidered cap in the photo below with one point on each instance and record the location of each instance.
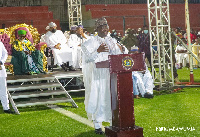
(52, 24)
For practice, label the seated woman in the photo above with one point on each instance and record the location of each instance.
(25, 58)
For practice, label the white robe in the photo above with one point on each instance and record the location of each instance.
(3, 75)
(73, 43)
(97, 80)
(142, 83)
(181, 57)
(42, 38)
(65, 53)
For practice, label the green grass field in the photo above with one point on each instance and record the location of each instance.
(167, 115)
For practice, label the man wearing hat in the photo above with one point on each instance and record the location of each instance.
(25, 58)
(74, 42)
(142, 81)
(56, 40)
(3, 84)
(97, 80)
(73, 29)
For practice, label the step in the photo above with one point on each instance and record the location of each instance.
(34, 22)
(69, 75)
(42, 102)
(37, 94)
(33, 86)
(114, 6)
(39, 24)
(17, 78)
(24, 9)
(26, 16)
(77, 90)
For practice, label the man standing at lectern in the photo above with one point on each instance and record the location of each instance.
(97, 80)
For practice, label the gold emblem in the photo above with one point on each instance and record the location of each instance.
(127, 63)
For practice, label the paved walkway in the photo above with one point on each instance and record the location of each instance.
(73, 116)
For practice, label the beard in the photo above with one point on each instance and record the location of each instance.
(53, 30)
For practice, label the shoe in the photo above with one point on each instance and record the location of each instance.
(136, 96)
(72, 68)
(9, 111)
(63, 66)
(148, 95)
(99, 131)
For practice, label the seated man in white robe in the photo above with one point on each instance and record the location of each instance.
(74, 42)
(56, 40)
(97, 80)
(181, 55)
(142, 81)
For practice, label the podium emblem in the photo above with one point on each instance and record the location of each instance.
(127, 63)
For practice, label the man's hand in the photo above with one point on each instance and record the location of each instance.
(103, 48)
(143, 72)
(28, 52)
(57, 46)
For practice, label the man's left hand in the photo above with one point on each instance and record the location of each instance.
(143, 72)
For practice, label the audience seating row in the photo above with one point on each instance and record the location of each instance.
(177, 14)
(38, 16)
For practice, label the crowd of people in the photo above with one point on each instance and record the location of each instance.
(66, 47)
(86, 50)
(182, 56)
(80, 50)
(140, 38)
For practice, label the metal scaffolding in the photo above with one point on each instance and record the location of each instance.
(160, 43)
(74, 12)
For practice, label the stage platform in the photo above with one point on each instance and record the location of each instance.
(57, 73)
(43, 89)
(68, 79)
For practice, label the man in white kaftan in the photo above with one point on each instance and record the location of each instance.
(3, 84)
(143, 83)
(97, 80)
(142, 80)
(56, 40)
(74, 42)
(181, 56)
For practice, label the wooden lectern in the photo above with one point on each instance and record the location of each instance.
(121, 85)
